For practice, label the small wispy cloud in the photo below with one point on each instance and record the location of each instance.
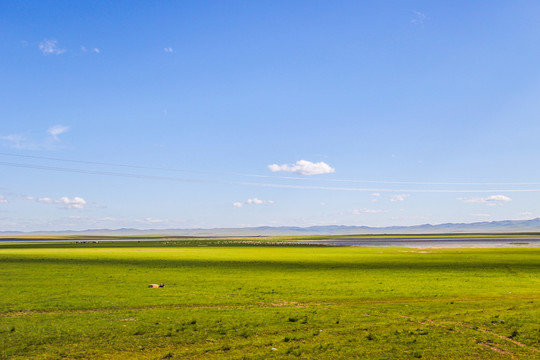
(16, 141)
(399, 197)
(57, 130)
(74, 203)
(526, 215)
(492, 200)
(303, 167)
(253, 201)
(50, 142)
(94, 50)
(3, 200)
(481, 215)
(107, 218)
(168, 49)
(45, 200)
(410, 218)
(150, 220)
(419, 18)
(48, 47)
(368, 211)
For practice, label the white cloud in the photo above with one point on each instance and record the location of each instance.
(16, 142)
(168, 49)
(107, 218)
(48, 47)
(253, 201)
(481, 215)
(410, 217)
(149, 220)
(490, 200)
(75, 203)
(303, 167)
(56, 130)
(368, 211)
(85, 49)
(376, 194)
(400, 197)
(526, 215)
(419, 18)
(3, 200)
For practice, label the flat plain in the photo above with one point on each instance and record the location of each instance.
(257, 300)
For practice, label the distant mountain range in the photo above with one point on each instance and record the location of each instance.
(506, 226)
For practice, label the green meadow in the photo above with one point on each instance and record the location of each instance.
(82, 301)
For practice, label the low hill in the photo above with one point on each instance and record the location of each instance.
(506, 226)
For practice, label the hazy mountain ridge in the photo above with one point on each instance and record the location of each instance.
(505, 226)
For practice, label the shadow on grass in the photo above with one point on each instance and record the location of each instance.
(529, 265)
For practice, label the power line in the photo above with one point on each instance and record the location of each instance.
(281, 186)
(268, 176)
(106, 173)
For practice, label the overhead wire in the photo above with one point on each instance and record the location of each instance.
(143, 167)
(283, 186)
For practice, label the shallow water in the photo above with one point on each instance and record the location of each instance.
(420, 242)
(433, 242)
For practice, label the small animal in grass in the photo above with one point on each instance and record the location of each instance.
(156, 285)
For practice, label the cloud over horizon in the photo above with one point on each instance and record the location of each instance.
(492, 200)
(399, 197)
(253, 201)
(368, 211)
(150, 220)
(74, 203)
(303, 167)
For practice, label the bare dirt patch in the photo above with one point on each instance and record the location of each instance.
(494, 348)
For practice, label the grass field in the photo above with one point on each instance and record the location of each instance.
(80, 301)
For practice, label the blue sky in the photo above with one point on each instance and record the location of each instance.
(235, 113)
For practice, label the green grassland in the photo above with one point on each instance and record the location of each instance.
(80, 301)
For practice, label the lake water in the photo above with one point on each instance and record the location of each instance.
(433, 242)
(420, 242)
